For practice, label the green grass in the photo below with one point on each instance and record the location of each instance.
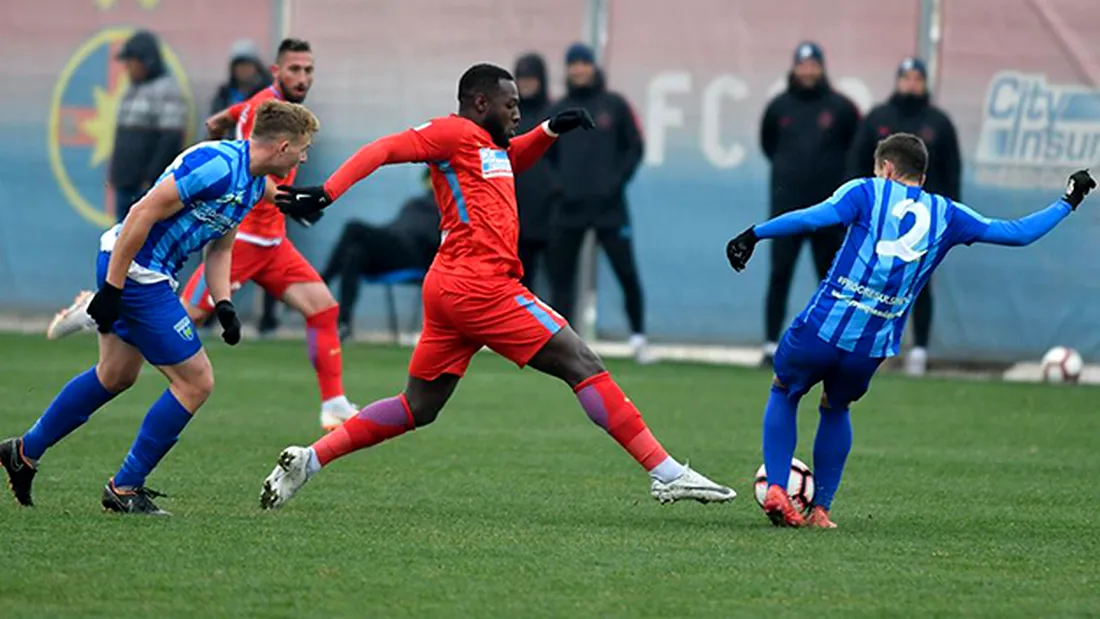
(961, 498)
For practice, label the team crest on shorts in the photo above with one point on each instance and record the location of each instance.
(185, 329)
(495, 163)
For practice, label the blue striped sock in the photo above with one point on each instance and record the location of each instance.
(72, 406)
(159, 432)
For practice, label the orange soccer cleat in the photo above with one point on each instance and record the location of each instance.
(819, 519)
(778, 507)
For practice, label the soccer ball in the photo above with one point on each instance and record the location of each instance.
(1061, 365)
(800, 485)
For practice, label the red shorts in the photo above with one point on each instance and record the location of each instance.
(463, 314)
(273, 268)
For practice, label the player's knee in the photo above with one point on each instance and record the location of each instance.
(116, 379)
(424, 411)
(197, 389)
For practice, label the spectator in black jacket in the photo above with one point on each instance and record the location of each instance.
(365, 250)
(594, 168)
(247, 76)
(805, 134)
(537, 188)
(150, 125)
(909, 110)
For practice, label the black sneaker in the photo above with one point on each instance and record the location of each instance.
(344, 331)
(20, 474)
(136, 501)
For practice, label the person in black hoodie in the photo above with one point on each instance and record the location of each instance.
(247, 76)
(909, 110)
(150, 124)
(365, 250)
(806, 133)
(537, 188)
(594, 168)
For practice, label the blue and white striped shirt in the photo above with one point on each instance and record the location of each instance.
(217, 191)
(897, 236)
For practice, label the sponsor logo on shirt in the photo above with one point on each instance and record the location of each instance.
(214, 218)
(495, 163)
(1033, 132)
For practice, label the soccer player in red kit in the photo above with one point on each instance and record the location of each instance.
(472, 293)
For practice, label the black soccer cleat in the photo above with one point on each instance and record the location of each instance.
(20, 473)
(137, 501)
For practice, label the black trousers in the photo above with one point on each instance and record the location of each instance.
(824, 245)
(922, 317)
(366, 250)
(532, 252)
(562, 258)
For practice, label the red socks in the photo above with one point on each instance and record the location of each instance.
(610, 409)
(382, 420)
(324, 352)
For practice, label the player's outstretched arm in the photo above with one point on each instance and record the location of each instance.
(160, 203)
(1026, 230)
(526, 149)
(841, 208)
(434, 141)
(218, 262)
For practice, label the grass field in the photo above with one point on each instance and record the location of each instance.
(961, 499)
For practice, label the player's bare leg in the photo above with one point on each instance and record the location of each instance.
(416, 407)
(568, 357)
(116, 370)
(319, 307)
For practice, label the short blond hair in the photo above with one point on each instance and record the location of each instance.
(280, 118)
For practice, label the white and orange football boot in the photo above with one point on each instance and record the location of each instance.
(780, 510)
(72, 319)
(819, 519)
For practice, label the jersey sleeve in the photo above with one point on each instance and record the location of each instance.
(202, 174)
(526, 149)
(843, 207)
(968, 226)
(435, 140)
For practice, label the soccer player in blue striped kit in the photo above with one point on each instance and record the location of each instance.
(897, 235)
(197, 202)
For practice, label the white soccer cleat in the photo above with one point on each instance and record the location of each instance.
(333, 415)
(691, 485)
(643, 354)
(72, 319)
(290, 474)
(916, 362)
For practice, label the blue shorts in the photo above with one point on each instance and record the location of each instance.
(153, 320)
(804, 359)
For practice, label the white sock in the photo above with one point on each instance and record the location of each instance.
(339, 404)
(668, 470)
(770, 348)
(314, 465)
(919, 352)
(637, 340)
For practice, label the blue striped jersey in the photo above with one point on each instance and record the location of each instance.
(216, 190)
(897, 236)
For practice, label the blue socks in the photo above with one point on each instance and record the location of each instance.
(780, 435)
(159, 432)
(74, 404)
(831, 447)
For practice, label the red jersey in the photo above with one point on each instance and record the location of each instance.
(264, 224)
(474, 186)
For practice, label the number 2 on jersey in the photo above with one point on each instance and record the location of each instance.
(905, 247)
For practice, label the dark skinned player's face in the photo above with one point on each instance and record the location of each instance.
(501, 111)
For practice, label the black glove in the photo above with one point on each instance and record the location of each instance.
(231, 325)
(739, 250)
(302, 202)
(1079, 185)
(307, 221)
(105, 307)
(568, 120)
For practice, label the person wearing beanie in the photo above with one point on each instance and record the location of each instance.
(594, 168)
(805, 134)
(151, 121)
(247, 76)
(537, 188)
(909, 110)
